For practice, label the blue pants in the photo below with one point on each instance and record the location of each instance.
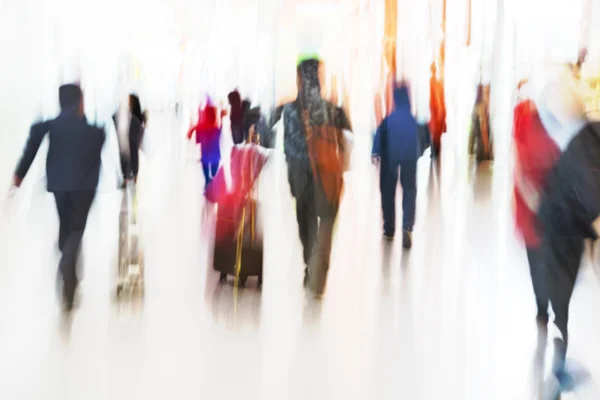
(388, 183)
(210, 171)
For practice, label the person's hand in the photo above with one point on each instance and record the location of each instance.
(376, 160)
(251, 133)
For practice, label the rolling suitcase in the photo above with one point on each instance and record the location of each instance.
(238, 247)
(130, 277)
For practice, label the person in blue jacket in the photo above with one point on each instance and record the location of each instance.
(397, 147)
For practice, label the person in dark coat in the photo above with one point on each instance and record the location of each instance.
(236, 117)
(397, 146)
(72, 169)
(314, 145)
(569, 214)
(130, 147)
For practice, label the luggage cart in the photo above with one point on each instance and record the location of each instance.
(130, 276)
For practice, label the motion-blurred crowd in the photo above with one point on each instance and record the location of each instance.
(556, 180)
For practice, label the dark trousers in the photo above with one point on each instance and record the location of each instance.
(73, 209)
(538, 279)
(126, 166)
(388, 183)
(316, 218)
(210, 171)
(562, 257)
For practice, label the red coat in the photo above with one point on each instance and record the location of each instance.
(536, 155)
(437, 107)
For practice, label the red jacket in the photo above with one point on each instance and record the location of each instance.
(247, 161)
(536, 155)
(208, 134)
(437, 107)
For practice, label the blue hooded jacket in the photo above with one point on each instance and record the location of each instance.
(396, 138)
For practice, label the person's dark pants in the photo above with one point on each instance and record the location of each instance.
(388, 183)
(210, 171)
(316, 218)
(538, 280)
(562, 257)
(126, 166)
(73, 209)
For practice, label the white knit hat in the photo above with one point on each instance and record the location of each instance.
(562, 106)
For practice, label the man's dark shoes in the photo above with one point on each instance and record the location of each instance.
(406, 239)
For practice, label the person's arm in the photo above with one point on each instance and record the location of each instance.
(376, 150)
(36, 135)
(584, 185)
(345, 138)
(528, 191)
(191, 132)
(342, 120)
(267, 131)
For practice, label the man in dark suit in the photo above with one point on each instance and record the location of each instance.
(72, 169)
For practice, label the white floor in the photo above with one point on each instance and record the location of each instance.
(452, 318)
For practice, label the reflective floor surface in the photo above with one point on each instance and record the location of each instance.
(452, 318)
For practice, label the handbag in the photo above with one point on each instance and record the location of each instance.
(326, 154)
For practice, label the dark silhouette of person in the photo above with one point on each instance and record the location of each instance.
(396, 146)
(72, 169)
(314, 147)
(130, 158)
(236, 117)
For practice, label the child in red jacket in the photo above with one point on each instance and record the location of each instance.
(208, 135)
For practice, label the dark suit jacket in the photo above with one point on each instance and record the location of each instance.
(73, 162)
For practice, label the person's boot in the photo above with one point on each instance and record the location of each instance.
(68, 299)
(565, 380)
(305, 281)
(407, 239)
(542, 331)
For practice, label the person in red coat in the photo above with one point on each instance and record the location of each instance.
(437, 107)
(536, 155)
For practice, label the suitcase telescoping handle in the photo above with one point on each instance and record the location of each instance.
(131, 201)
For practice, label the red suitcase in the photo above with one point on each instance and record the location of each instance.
(238, 249)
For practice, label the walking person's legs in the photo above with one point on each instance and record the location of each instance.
(327, 192)
(540, 286)
(214, 168)
(63, 207)
(319, 261)
(206, 169)
(561, 259)
(388, 181)
(80, 203)
(408, 181)
(302, 188)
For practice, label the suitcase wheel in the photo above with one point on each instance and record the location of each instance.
(260, 281)
(223, 277)
(242, 281)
